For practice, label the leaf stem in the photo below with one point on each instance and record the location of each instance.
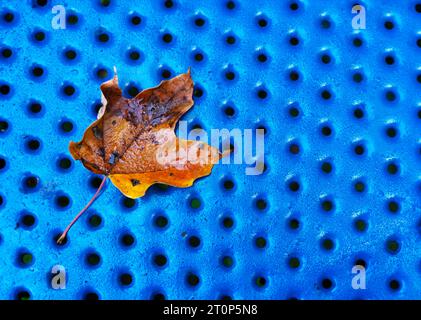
(64, 234)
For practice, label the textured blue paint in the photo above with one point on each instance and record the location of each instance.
(19, 125)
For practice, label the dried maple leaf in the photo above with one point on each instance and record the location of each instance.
(134, 144)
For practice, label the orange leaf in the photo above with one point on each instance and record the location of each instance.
(133, 141)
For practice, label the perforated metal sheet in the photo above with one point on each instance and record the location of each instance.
(341, 109)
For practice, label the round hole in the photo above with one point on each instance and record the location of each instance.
(294, 75)
(158, 296)
(293, 224)
(390, 96)
(167, 37)
(326, 59)
(294, 148)
(3, 163)
(199, 22)
(389, 60)
(39, 36)
(262, 22)
(168, 4)
(228, 184)
(103, 37)
(393, 206)
(4, 89)
(260, 281)
(293, 112)
(358, 113)
(195, 203)
(64, 163)
(66, 126)
(391, 132)
(69, 90)
(126, 279)
(230, 40)
(91, 296)
(360, 225)
(4, 126)
(359, 186)
(394, 285)
(260, 242)
(294, 186)
(361, 262)
(229, 111)
(93, 259)
(28, 220)
(261, 204)
(166, 74)
(8, 17)
(35, 107)
(23, 294)
(326, 130)
(132, 90)
(101, 73)
(326, 94)
(30, 183)
(95, 182)
(328, 244)
(327, 284)
(72, 19)
(194, 241)
(227, 222)
(6, 53)
(392, 246)
(230, 5)
(326, 167)
(127, 240)
(136, 20)
(25, 259)
(262, 57)
(294, 41)
(294, 262)
(33, 144)
(198, 92)
(62, 201)
(357, 42)
(389, 25)
(161, 222)
(70, 54)
(294, 6)
(392, 168)
(262, 94)
(230, 75)
(227, 261)
(357, 77)
(192, 279)
(160, 260)
(325, 23)
(327, 205)
(95, 221)
(359, 149)
(128, 203)
(41, 3)
(198, 56)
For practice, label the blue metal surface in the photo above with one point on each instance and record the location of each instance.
(379, 225)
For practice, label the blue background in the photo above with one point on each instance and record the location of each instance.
(309, 251)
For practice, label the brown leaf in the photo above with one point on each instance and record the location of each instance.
(133, 141)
